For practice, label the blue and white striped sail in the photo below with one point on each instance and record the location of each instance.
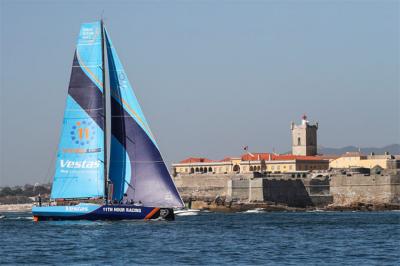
(137, 169)
(79, 169)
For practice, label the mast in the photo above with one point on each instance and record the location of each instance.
(104, 112)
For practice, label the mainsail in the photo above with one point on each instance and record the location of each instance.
(137, 169)
(79, 169)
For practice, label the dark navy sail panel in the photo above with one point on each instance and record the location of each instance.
(137, 169)
(79, 168)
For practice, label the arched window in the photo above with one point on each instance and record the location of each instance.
(251, 168)
(210, 169)
(205, 169)
(192, 170)
(298, 141)
(236, 168)
(197, 169)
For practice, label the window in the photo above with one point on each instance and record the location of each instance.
(298, 141)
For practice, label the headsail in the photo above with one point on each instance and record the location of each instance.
(137, 169)
(79, 170)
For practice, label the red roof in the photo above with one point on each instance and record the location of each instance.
(226, 159)
(256, 156)
(196, 160)
(287, 157)
(277, 157)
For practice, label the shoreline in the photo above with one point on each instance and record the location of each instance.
(242, 207)
(16, 207)
(267, 207)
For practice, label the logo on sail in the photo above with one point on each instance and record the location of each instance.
(83, 132)
(89, 34)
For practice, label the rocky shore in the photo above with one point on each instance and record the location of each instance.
(26, 207)
(240, 207)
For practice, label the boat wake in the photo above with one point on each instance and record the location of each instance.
(186, 212)
(3, 217)
(256, 210)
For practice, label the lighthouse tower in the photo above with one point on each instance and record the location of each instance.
(304, 138)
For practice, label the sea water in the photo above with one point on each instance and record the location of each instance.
(285, 238)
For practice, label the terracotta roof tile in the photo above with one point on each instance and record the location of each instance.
(278, 157)
(226, 159)
(259, 156)
(256, 156)
(196, 160)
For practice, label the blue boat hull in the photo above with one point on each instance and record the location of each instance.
(87, 211)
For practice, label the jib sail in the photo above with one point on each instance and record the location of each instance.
(137, 169)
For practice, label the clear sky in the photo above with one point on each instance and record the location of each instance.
(211, 76)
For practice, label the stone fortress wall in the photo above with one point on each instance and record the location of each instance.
(300, 179)
(310, 191)
(370, 189)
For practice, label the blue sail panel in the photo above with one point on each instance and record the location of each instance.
(79, 167)
(137, 168)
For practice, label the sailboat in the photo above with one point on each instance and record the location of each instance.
(134, 183)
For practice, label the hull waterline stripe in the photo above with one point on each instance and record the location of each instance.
(151, 214)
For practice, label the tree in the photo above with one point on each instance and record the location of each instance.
(6, 191)
(29, 190)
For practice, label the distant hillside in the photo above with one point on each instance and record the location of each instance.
(392, 149)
